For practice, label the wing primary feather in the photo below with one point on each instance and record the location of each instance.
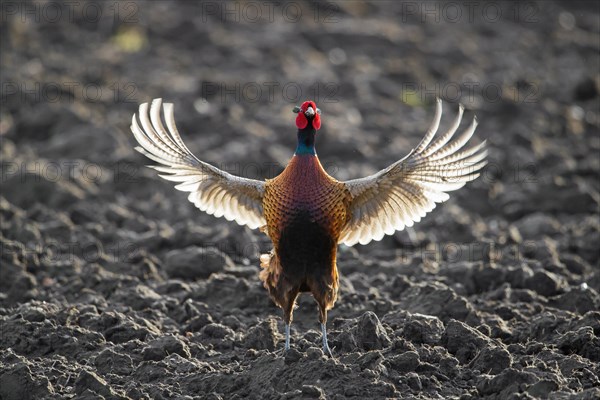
(442, 140)
(152, 135)
(170, 120)
(432, 129)
(458, 143)
(458, 156)
(149, 149)
(160, 129)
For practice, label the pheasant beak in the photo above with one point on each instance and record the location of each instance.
(310, 112)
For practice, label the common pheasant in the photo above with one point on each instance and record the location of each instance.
(305, 212)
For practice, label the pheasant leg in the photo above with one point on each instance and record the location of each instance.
(287, 337)
(326, 348)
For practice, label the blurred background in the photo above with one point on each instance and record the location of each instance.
(84, 223)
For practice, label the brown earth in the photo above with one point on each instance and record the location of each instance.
(112, 285)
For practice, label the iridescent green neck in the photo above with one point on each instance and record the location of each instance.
(306, 141)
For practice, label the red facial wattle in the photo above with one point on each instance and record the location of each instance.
(302, 121)
(316, 122)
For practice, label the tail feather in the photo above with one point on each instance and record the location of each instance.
(271, 269)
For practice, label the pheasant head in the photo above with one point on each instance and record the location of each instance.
(308, 122)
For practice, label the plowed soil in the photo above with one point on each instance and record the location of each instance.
(112, 285)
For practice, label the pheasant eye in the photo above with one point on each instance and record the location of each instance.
(296, 110)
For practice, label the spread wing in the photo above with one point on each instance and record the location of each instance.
(212, 190)
(404, 192)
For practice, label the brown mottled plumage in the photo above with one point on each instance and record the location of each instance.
(305, 212)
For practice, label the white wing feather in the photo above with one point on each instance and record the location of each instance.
(212, 190)
(403, 193)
